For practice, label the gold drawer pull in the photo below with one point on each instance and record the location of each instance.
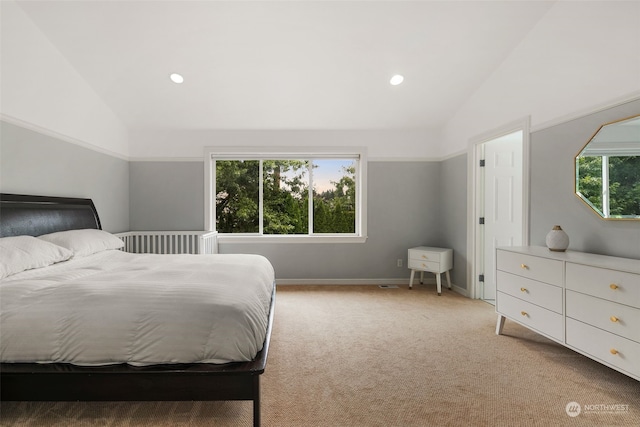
(524, 313)
(523, 290)
(524, 266)
(614, 319)
(424, 265)
(613, 286)
(424, 256)
(613, 351)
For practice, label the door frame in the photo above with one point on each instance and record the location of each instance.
(474, 249)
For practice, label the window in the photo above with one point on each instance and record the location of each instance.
(286, 195)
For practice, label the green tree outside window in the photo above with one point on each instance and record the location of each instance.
(285, 196)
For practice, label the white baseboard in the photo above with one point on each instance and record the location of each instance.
(461, 291)
(348, 282)
(402, 281)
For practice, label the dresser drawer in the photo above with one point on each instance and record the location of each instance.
(542, 294)
(612, 350)
(612, 317)
(532, 267)
(612, 285)
(532, 316)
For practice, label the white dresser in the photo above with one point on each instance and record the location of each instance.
(434, 260)
(589, 303)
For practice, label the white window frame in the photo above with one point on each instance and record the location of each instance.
(257, 153)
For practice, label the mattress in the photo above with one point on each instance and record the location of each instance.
(141, 309)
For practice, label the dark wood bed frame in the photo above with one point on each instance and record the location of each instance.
(37, 215)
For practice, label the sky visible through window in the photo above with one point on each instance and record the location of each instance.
(328, 171)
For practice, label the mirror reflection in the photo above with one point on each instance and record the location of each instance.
(608, 170)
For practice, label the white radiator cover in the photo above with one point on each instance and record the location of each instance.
(170, 242)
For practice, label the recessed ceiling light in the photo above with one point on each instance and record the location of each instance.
(176, 78)
(396, 80)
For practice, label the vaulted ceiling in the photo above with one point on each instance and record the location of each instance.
(285, 64)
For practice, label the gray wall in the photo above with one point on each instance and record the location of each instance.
(409, 204)
(33, 163)
(403, 211)
(453, 214)
(552, 189)
(166, 195)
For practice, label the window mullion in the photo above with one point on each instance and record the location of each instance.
(261, 198)
(310, 190)
(357, 198)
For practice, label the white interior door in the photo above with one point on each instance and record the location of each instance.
(502, 203)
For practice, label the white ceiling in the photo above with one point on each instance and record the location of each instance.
(285, 65)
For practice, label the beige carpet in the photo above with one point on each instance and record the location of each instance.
(366, 356)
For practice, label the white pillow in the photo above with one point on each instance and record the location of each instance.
(84, 242)
(20, 253)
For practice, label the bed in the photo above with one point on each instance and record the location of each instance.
(160, 362)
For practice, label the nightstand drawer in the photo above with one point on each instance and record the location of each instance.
(425, 255)
(612, 317)
(611, 285)
(532, 316)
(608, 348)
(531, 267)
(416, 264)
(538, 293)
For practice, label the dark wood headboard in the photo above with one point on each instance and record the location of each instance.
(36, 215)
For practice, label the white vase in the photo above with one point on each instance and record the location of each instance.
(557, 239)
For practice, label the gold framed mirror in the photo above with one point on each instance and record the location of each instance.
(607, 170)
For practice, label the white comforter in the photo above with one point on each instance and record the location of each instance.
(115, 307)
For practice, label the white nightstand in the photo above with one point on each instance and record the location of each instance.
(433, 260)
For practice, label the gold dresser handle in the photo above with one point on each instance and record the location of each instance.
(524, 313)
(614, 319)
(613, 351)
(524, 266)
(424, 256)
(523, 290)
(613, 286)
